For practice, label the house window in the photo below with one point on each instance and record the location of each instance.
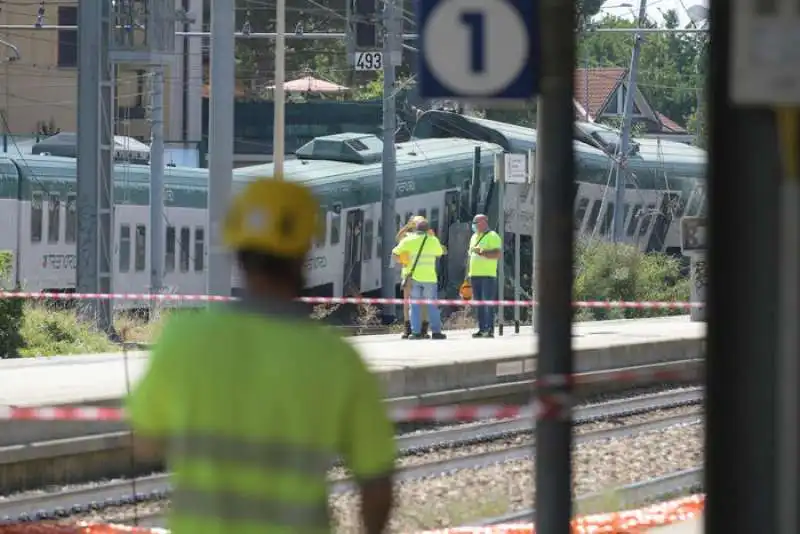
(67, 39)
(169, 250)
(37, 216)
(72, 218)
(140, 259)
(124, 248)
(199, 248)
(53, 218)
(186, 237)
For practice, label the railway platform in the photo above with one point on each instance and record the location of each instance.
(692, 526)
(456, 370)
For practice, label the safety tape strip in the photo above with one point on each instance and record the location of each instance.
(547, 407)
(650, 305)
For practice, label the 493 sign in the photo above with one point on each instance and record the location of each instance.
(369, 61)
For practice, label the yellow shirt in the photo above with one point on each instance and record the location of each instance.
(478, 265)
(425, 271)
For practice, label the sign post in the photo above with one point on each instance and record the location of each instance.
(694, 243)
(516, 173)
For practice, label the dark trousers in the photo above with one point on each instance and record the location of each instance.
(484, 288)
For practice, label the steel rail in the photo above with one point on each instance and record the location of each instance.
(157, 487)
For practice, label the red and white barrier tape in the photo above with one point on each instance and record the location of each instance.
(414, 414)
(649, 305)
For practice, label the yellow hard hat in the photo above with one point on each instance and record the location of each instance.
(274, 217)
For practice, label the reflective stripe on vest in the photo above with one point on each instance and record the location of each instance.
(264, 456)
(233, 508)
(278, 456)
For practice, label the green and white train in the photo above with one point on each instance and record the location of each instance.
(434, 174)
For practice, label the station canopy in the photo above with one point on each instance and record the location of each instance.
(65, 145)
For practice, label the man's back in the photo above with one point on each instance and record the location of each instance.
(261, 402)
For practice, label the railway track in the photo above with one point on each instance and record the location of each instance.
(82, 501)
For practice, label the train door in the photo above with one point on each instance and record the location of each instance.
(353, 238)
(667, 213)
(450, 215)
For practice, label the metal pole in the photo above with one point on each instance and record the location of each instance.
(500, 177)
(280, 96)
(388, 164)
(554, 147)
(94, 168)
(157, 184)
(220, 129)
(517, 269)
(622, 171)
(533, 161)
(744, 300)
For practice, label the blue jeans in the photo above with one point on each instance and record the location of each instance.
(425, 290)
(484, 288)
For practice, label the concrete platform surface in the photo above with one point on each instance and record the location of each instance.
(693, 526)
(432, 366)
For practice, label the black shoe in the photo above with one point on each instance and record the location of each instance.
(416, 336)
(478, 334)
(407, 331)
(424, 331)
(438, 335)
(488, 333)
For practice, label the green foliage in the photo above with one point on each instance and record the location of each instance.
(10, 312)
(606, 271)
(51, 332)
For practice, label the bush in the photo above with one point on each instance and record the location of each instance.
(11, 311)
(607, 271)
(49, 332)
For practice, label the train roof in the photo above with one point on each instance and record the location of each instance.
(651, 154)
(409, 155)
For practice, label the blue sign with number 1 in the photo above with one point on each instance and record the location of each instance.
(479, 49)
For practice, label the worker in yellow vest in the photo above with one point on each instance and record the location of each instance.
(423, 249)
(252, 402)
(405, 261)
(484, 252)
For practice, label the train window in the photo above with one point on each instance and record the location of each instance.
(435, 220)
(169, 250)
(397, 223)
(323, 227)
(580, 213)
(593, 214)
(37, 216)
(185, 242)
(369, 236)
(71, 231)
(423, 213)
(140, 246)
(199, 248)
(647, 217)
(408, 217)
(124, 248)
(608, 218)
(637, 213)
(53, 218)
(336, 228)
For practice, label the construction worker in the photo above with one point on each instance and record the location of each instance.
(484, 252)
(252, 401)
(423, 248)
(405, 280)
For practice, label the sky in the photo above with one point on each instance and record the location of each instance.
(654, 8)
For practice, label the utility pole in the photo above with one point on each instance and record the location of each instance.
(388, 162)
(622, 171)
(555, 157)
(220, 127)
(95, 189)
(157, 183)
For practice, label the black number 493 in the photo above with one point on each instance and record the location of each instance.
(369, 61)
